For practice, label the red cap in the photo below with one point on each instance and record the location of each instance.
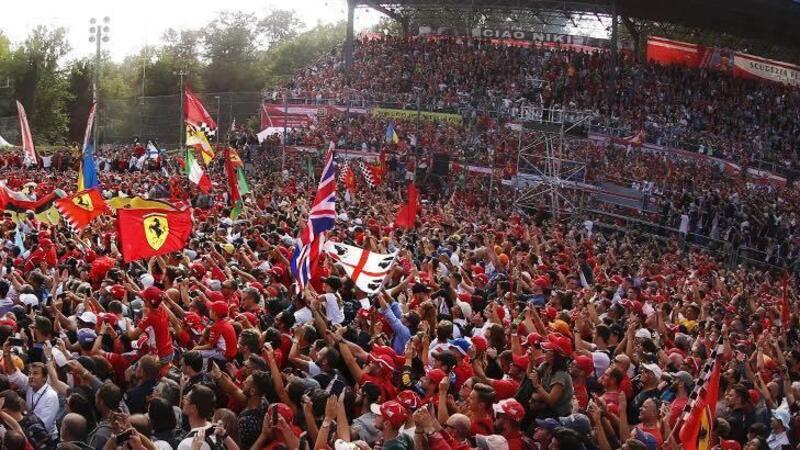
(730, 445)
(436, 375)
(543, 282)
(633, 305)
(392, 412)
(117, 291)
(476, 269)
(193, 320)
(284, 410)
(550, 313)
(465, 297)
(199, 269)
(409, 399)
(481, 279)
(385, 361)
(215, 296)
(108, 318)
(256, 285)
(277, 271)
(521, 361)
(480, 343)
(152, 296)
(585, 363)
(249, 316)
(559, 343)
(219, 308)
(510, 407)
(533, 339)
(9, 322)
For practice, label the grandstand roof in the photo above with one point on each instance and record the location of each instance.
(777, 21)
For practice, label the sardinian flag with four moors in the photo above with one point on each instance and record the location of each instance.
(321, 218)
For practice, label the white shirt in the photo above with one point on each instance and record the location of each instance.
(303, 315)
(333, 311)
(186, 444)
(43, 403)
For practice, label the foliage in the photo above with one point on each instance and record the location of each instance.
(234, 52)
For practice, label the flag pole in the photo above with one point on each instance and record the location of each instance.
(182, 127)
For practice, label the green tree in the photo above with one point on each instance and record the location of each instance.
(285, 59)
(279, 26)
(41, 85)
(230, 49)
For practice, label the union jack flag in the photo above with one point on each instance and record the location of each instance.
(321, 218)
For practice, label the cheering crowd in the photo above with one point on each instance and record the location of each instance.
(699, 110)
(495, 328)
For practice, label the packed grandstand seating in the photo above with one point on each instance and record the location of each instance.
(699, 110)
(493, 327)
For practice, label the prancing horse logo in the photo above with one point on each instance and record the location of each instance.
(156, 229)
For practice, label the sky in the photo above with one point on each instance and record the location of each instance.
(136, 23)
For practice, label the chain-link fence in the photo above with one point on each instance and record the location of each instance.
(9, 129)
(160, 118)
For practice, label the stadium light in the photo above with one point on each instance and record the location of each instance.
(98, 34)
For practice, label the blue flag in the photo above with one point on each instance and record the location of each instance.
(87, 175)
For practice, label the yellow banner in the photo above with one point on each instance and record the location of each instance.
(412, 114)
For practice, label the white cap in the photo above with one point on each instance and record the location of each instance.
(653, 368)
(88, 317)
(29, 299)
(147, 280)
(601, 363)
(643, 333)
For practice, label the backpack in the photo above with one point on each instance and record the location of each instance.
(37, 434)
(214, 444)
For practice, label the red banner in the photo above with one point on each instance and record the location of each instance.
(667, 51)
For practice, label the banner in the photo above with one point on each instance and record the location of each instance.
(667, 51)
(749, 66)
(535, 36)
(412, 114)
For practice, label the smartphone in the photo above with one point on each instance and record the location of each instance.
(124, 436)
(16, 342)
(275, 416)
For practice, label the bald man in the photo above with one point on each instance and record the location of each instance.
(73, 429)
(457, 431)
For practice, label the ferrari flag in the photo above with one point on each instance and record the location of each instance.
(366, 269)
(82, 207)
(200, 127)
(143, 233)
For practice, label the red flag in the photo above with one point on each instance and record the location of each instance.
(697, 430)
(143, 233)
(408, 213)
(82, 207)
(195, 114)
(28, 150)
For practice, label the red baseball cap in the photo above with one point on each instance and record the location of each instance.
(385, 361)
(435, 375)
(284, 410)
(558, 343)
(510, 407)
(521, 361)
(480, 343)
(585, 363)
(409, 399)
(152, 296)
(532, 339)
(215, 296)
(219, 308)
(199, 269)
(392, 412)
(117, 291)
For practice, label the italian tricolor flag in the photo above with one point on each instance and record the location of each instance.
(196, 173)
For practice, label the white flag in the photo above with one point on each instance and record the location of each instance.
(366, 269)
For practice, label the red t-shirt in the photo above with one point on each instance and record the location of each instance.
(388, 391)
(156, 325)
(223, 336)
(483, 426)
